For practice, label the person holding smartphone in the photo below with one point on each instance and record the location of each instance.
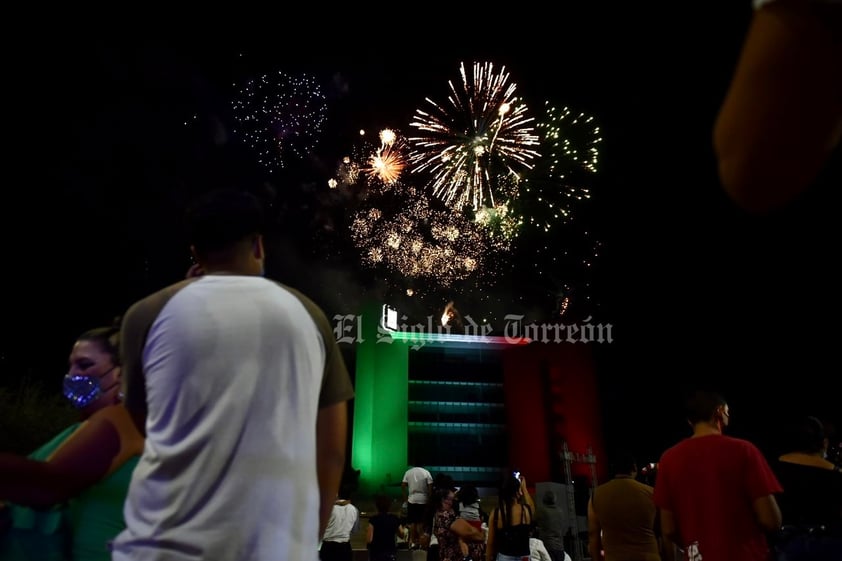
(510, 524)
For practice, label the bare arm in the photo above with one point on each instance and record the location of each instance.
(132, 336)
(767, 513)
(464, 530)
(667, 549)
(369, 533)
(594, 530)
(40, 484)
(782, 115)
(665, 546)
(669, 527)
(491, 543)
(527, 498)
(95, 449)
(331, 440)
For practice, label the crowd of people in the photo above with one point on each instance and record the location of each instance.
(711, 496)
(182, 451)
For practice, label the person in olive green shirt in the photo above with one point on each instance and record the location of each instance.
(622, 517)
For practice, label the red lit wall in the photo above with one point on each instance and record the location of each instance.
(551, 396)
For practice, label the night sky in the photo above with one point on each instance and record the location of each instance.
(109, 133)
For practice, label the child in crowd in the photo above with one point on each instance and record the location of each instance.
(469, 510)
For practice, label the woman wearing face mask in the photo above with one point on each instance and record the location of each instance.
(87, 466)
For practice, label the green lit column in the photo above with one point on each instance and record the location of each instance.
(379, 447)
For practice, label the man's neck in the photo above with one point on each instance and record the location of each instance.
(705, 428)
(230, 269)
(225, 272)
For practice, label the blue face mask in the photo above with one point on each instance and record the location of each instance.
(83, 389)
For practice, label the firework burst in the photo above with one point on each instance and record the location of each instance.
(475, 143)
(279, 117)
(551, 190)
(406, 233)
(388, 161)
(379, 165)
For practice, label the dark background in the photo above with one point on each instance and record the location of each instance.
(111, 128)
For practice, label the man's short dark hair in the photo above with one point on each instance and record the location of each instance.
(383, 503)
(806, 434)
(468, 494)
(623, 462)
(702, 404)
(221, 218)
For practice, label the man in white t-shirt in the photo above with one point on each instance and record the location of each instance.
(240, 387)
(344, 522)
(417, 486)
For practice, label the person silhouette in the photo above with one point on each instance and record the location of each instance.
(781, 118)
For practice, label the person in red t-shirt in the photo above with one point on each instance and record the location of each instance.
(715, 492)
